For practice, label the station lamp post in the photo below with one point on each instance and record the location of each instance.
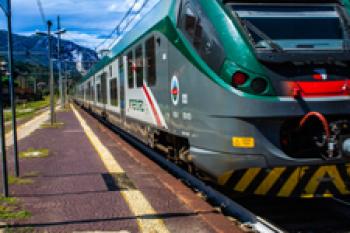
(49, 35)
(3, 72)
(59, 32)
(52, 100)
(5, 5)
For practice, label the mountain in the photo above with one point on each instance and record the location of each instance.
(33, 50)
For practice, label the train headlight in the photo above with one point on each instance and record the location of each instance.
(346, 147)
(259, 85)
(239, 78)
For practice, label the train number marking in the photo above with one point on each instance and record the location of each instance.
(184, 99)
(187, 116)
(137, 105)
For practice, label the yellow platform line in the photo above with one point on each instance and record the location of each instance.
(146, 216)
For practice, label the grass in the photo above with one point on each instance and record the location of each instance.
(28, 109)
(19, 230)
(19, 181)
(32, 174)
(32, 153)
(10, 209)
(48, 125)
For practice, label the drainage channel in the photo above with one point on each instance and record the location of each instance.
(228, 206)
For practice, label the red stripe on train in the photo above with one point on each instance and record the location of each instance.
(154, 110)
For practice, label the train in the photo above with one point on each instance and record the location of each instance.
(253, 95)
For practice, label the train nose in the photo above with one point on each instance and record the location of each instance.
(346, 147)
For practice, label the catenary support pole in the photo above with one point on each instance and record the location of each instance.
(2, 136)
(59, 61)
(12, 89)
(52, 95)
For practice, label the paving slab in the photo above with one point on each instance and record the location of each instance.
(73, 189)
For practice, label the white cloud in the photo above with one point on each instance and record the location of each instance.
(86, 20)
(84, 39)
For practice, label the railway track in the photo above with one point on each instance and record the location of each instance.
(308, 215)
(258, 214)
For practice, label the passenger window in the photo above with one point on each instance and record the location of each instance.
(88, 91)
(104, 88)
(202, 34)
(98, 89)
(139, 66)
(113, 87)
(151, 61)
(130, 70)
(93, 89)
(110, 71)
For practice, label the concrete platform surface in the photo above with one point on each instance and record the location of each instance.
(93, 181)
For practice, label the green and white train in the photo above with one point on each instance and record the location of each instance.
(253, 94)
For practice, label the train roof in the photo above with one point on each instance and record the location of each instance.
(282, 1)
(158, 13)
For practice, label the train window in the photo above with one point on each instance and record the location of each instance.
(93, 89)
(151, 61)
(110, 71)
(130, 70)
(139, 66)
(189, 21)
(104, 88)
(88, 91)
(202, 34)
(98, 90)
(113, 88)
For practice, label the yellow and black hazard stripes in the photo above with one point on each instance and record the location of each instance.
(303, 181)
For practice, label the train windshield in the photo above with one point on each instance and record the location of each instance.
(293, 27)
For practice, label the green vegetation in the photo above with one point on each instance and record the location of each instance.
(56, 125)
(31, 174)
(19, 230)
(19, 181)
(28, 109)
(34, 153)
(10, 209)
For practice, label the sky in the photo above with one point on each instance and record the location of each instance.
(87, 22)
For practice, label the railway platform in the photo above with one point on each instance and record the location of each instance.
(81, 177)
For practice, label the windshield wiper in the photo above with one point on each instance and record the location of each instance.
(345, 22)
(263, 36)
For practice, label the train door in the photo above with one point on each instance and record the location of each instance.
(122, 78)
(160, 83)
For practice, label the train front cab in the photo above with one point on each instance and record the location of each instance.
(288, 132)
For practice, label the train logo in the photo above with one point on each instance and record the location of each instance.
(320, 74)
(175, 90)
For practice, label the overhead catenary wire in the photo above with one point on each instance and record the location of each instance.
(117, 30)
(121, 31)
(42, 12)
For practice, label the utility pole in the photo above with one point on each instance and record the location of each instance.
(52, 97)
(59, 32)
(12, 87)
(2, 134)
(49, 35)
(66, 83)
